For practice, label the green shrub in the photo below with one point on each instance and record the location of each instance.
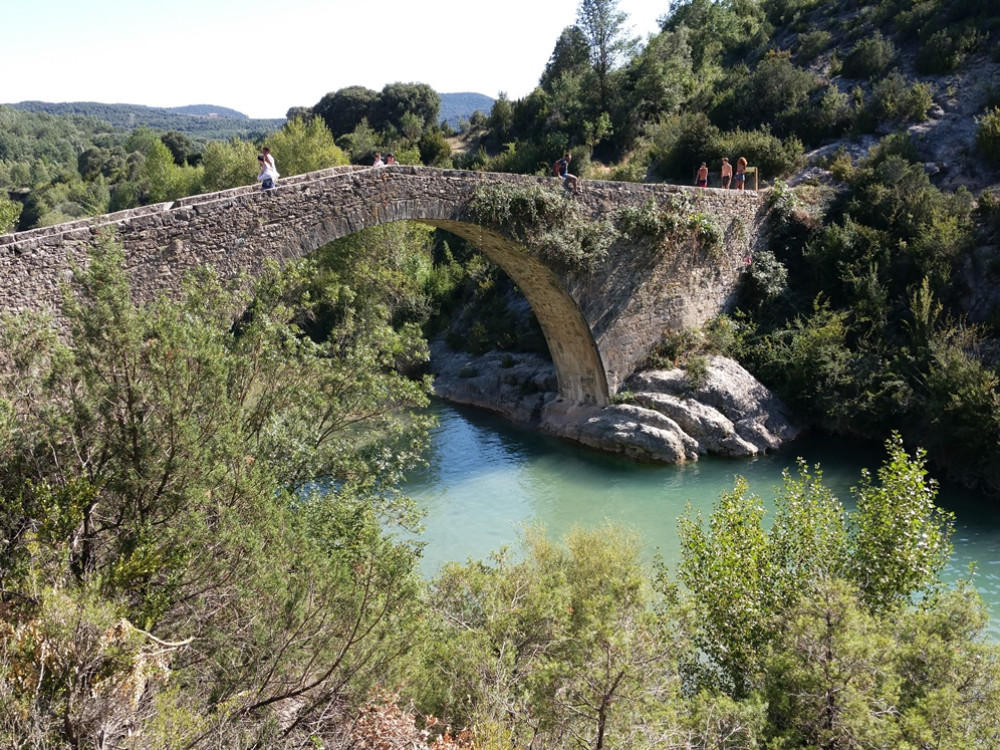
(696, 369)
(988, 135)
(546, 222)
(828, 115)
(868, 58)
(946, 49)
(895, 99)
(772, 156)
(812, 43)
(765, 281)
(680, 143)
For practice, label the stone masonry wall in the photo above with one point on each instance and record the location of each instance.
(599, 326)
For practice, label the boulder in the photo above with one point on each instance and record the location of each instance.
(668, 418)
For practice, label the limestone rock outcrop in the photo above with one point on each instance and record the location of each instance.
(666, 418)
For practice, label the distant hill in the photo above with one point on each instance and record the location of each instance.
(455, 107)
(197, 120)
(207, 110)
(210, 121)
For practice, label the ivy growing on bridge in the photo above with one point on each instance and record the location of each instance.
(675, 221)
(548, 224)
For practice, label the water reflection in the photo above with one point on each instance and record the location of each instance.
(486, 479)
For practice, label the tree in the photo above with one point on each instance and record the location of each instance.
(560, 650)
(603, 27)
(212, 505)
(10, 211)
(305, 145)
(571, 55)
(344, 109)
(179, 145)
(228, 164)
(397, 99)
(661, 75)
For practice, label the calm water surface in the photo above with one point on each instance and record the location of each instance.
(487, 479)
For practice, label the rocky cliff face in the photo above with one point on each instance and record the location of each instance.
(667, 418)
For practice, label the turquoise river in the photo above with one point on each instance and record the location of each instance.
(486, 479)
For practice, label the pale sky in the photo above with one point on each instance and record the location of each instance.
(263, 57)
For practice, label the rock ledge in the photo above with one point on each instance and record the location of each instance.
(667, 418)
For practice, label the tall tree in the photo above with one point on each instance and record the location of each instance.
(343, 110)
(603, 26)
(570, 55)
(398, 99)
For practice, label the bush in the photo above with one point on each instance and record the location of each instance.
(945, 49)
(868, 58)
(895, 99)
(812, 43)
(772, 156)
(545, 222)
(988, 135)
(680, 143)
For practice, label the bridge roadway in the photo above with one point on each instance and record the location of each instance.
(599, 325)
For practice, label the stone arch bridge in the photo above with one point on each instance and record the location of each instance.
(599, 325)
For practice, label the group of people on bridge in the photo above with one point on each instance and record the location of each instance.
(268, 174)
(726, 175)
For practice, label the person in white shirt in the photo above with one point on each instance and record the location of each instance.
(268, 174)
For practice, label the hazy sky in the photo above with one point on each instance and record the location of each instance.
(263, 57)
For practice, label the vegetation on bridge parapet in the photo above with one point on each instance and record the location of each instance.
(676, 220)
(551, 228)
(548, 224)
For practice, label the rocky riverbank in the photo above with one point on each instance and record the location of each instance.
(662, 415)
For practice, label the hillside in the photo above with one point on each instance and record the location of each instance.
(945, 141)
(200, 121)
(457, 107)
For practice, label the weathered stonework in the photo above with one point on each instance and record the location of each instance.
(598, 325)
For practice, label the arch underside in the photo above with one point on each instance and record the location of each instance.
(579, 370)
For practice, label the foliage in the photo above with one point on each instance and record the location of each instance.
(677, 221)
(683, 142)
(557, 648)
(603, 26)
(739, 574)
(775, 94)
(772, 637)
(210, 505)
(869, 58)
(396, 100)
(896, 100)
(304, 145)
(343, 110)
(546, 223)
(766, 280)
(988, 134)
(228, 165)
(570, 57)
(9, 213)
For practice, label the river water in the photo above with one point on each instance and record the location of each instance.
(486, 479)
